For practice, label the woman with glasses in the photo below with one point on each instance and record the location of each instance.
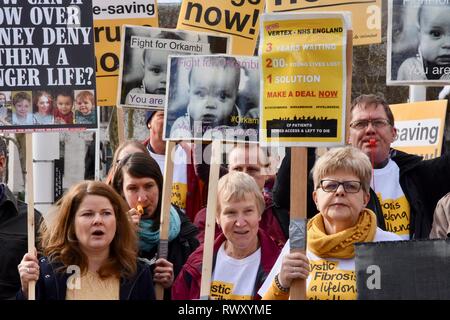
(341, 191)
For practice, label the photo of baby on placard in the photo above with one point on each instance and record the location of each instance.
(212, 97)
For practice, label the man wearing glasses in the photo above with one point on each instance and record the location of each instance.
(407, 187)
(404, 189)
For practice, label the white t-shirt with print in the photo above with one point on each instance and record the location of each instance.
(179, 185)
(330, 278)
(396, 210)
(234, 279)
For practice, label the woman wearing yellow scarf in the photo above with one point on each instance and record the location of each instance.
(341, 183)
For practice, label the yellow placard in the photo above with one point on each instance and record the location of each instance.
(328, 282)
(303, 85)
(107, 34)
(238, 18)
(366, 14)
(420, 127)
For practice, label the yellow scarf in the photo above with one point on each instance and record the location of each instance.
(340, 245)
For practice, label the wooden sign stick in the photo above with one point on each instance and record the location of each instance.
(297, 227)
(120, 124)
(210, 224)
(30, 202)
(165, 211)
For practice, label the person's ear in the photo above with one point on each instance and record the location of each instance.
(394, 134)
(314, 194)
(366, 198)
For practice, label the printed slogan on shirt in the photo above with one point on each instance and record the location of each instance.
(327, 282)
(224, 291)
(179, 193)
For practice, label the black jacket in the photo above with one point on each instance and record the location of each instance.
(52, 283)
(424, 182)
(13, 241)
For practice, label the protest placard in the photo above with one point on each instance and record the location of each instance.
(47, 66)
(418, 42)
(303, 79)
(420, 127)
(212, 97)
(403, 270)
(109, 16)
(238, 18)
(143, 71)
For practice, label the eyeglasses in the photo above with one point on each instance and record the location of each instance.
(333, 185)
(376, 123)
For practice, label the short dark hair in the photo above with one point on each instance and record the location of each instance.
(365, 100)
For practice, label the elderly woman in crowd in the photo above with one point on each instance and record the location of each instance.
(243, 253)
(90, 250)
(341, 182)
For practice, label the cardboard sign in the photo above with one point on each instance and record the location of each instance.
(143, 72)
(109, 16)
(403, 270)
(238, 18)
(418, 46)
(420, 127)
(366, 15)
(303, 80)
(212, 97)
(47, 66)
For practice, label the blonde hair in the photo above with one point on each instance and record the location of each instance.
(348, 159)
(236, 186)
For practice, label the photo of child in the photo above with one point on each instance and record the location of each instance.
(85, 107)
(144, 60)
(22, 114)
(212, 90)
(42, 108)
(421, 49)
(63, 107)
